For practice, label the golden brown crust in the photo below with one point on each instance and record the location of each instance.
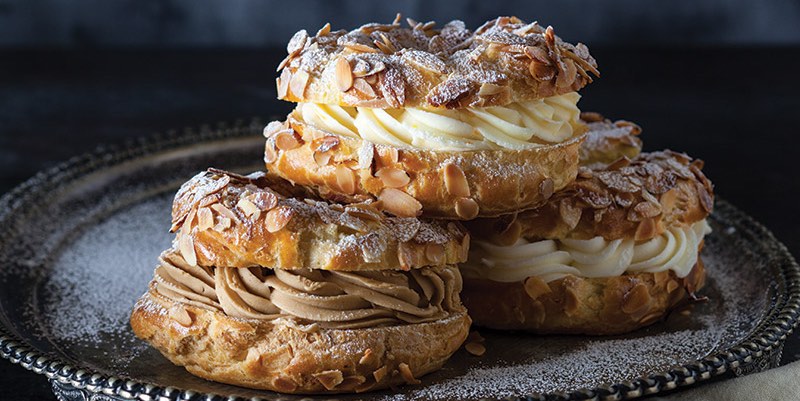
(440, 184)
(393, 66)
(639, 199)
(283, 357)
(574, 305)
(224, 219)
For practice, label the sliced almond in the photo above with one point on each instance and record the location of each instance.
(223, 223)
(489, 89)
(435, 254)
(247, 207)
(329, 378)
(567, 75)
(264, 200)
(365, 155)
(467, 208)
(367, 358)
(363, 87)
(399, 203)
(322, 158)
(546, 188)
(224, 211)
(277, 218)
(345, 180)
(393, 177)
(283, 83)
(636, 299)
(380, 373)
(536, 287)
(287, 140)
(408, 376)
(326, 29)
(186, 246)
(298, 83)
(540, 71)
(205, 219)
(270, 154)
(475, 349)
(455, 181)
(179, 314)
(273, 128)
(344, 75)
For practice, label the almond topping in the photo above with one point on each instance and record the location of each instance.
(277, 218)
(364, 88)
(455, 181)
(367, 358)
(636, 299)
(179, 314)
(365, 155)
(186, 246)
(322, 158)
(221, 209)
(205, 219)
(541, 71)
(393, 177)
(345, 180)
(405, 371)
(344, 75)
(399, 203)
(489, 89)
(536, 287)
(475, 349)
(270, 155)
(272, 128)
(247, 207)
(284, 384)
(223, 223)
(467, 208)
(567, 76)
(283, 83)
(546, 188)
(298, 83)
(329, 378)
(435, 254)
(379, 373)
(286, 140)
(264, 200)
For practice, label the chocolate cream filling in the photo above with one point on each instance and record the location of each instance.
(330, 299)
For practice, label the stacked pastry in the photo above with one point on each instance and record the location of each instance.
(267, 289)
(615, 250)
(331, 273)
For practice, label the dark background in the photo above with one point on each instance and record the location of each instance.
(716, 79)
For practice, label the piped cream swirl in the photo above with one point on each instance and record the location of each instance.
(521, 125)
(327, 298)
(676, 249)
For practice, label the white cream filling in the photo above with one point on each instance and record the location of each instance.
(676, 249)
(520, 125)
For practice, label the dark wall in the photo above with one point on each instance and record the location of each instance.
(157, 23)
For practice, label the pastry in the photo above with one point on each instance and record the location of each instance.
(448, 123)
(615, 250)
(266, 290)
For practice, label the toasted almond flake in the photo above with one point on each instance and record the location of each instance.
(287, 140)
(636, 299)
(264, 200)
(186, 246)
(467, 208)
(326, 29)
(536, 287)
(364, 88)
(408, 376)
(247, 207)
(344, 75)
(672, 285)
(489, 89)
(475, 337)
(540, 71)
(322, 158)
(360, 48)
(273, 128)
(283, 83)
(205, 219)
(223, 210)
(298, 83)
(284, 384)
(388, 155)
(435, 254)
(270, 155)
(364, 211)
(455, 181)
(277, 218)
(345, 180)
(179, 314)
(380, 373)
(546, 188)
(367, 358)
(397, 19)
(475, 349)
(393, 177)
(223, 223)
(329, 378)
(567, 75)
(399, 203)
(365, 154)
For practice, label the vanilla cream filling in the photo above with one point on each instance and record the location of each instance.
(520, 125)
(326, 298)
(676, 249)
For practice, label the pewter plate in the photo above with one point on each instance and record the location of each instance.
(78, 245)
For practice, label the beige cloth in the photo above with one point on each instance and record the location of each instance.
(782, 383)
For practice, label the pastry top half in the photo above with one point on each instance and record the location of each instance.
(225, 219)
(419, 65)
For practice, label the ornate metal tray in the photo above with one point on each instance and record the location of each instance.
(78, 244)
